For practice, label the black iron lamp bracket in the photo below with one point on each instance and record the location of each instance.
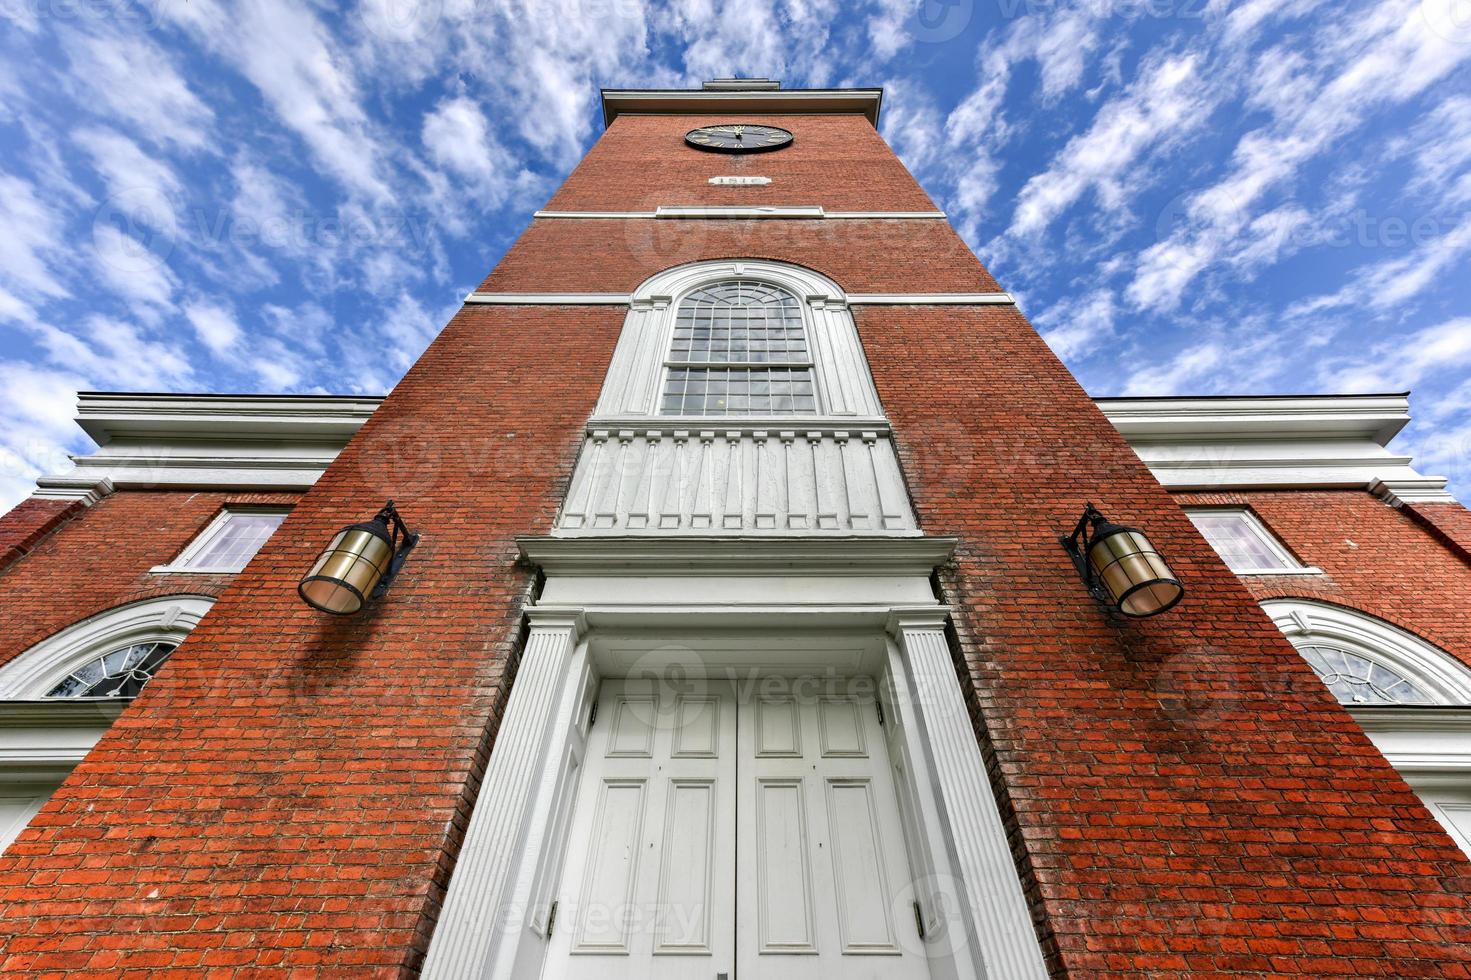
(1076, 545)
(401, 539)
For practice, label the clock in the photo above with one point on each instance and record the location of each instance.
(738, 138)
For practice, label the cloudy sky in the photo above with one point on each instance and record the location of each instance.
(1188, 196)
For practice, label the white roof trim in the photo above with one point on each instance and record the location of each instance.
(264, 442)
(616, 102)
(745, 212)
(1319, 441)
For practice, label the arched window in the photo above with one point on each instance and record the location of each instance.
(109, 655)
(739, 348)
(1366, 661)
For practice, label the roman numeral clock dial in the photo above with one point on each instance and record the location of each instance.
(734, 138)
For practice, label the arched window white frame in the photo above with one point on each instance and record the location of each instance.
(1315, 627)
(37, 672)
(650, 345)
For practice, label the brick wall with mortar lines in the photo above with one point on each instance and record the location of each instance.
(99, 557)
(1191, 800)
(837, 161)
(29, 522)
(1374, 557)
(289, 792)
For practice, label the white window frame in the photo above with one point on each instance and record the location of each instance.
(1291, 566)
(810, 364)
(180, 565)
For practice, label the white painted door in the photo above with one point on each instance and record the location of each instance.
(821, 888)
(649, 890)
(716, 837)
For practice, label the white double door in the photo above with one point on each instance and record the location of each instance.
(721, 834)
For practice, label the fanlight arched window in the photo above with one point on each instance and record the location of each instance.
(118, 674)
(110, 655)
(1365, 661)
(1356, 679)
(739, 348)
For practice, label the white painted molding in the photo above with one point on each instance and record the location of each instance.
(616, 102)
(87, 489)
(931, 299)
(548, 299)
(46, 739)
(1399, 491)
(481, 926)
(1419, 740)
(1000, 918)
(1304, 622)
(243, 442)
(746, 556)
(1315, 441)
(744, 213)
(165, 619)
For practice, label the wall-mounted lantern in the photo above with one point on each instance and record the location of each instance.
(1120, 566)
(359, 564)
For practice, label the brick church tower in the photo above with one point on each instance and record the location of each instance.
(738, 640)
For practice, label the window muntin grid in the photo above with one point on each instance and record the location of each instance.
(739, 348)
(119, 673)
(1355, 679)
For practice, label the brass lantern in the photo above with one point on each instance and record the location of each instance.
(359, 564)
(1121, 567)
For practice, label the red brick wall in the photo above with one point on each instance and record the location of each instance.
(100, 558)
(28, 523)
(1450, 522)
(837, 161)
(1375, 558)
(1191, 801)
(290, 790)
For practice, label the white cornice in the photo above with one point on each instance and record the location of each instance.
(802, 211)
(263, 442)
(930, 299)
(617, 102)
(548, 299)
(853, 299)
(677, 556)
(1317, 441)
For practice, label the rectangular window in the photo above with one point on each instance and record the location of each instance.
(1243, 541)
(229, 542)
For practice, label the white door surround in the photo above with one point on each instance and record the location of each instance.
(706, 611)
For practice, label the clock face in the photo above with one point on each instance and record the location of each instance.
(738, 138)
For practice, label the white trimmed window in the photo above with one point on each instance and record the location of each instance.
(1244, 543)
(230, 541)
(739, 348)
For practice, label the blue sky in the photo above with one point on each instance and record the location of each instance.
(1188, 196)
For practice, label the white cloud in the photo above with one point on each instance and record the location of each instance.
(1382, 58)
(1403, 363)
(1180, 374)
(30, 232)
(215, 325)
(140, 187)
(1167, 100)
(36, 427)
(135, 80)
(306, 79)
(1074, 328)
(1390, 283)
(132, 267)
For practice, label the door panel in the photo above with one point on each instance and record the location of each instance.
(757, 839)
(649, 889)
(822, 859)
